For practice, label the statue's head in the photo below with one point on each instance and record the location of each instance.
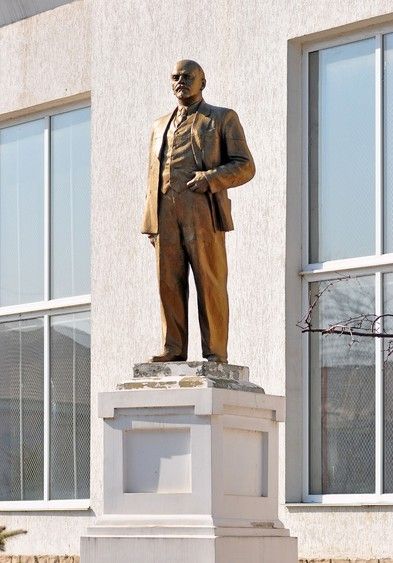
(188, 81)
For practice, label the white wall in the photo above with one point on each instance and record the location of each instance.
(243, 47)
(45, 58)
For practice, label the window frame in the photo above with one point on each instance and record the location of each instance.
(45, 309)
(376, 264)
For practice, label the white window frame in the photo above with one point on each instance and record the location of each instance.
(45, 309)
(376, 264)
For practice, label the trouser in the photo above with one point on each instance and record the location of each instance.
(187, 238)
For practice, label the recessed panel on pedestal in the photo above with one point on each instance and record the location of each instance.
(245, 474)
(157, 461)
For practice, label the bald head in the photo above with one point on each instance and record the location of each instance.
(188, 81)
(190, 64)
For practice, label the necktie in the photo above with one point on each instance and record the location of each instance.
(180, 116)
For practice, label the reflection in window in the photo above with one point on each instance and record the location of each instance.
(388, 388)
(341, 151)
(342, 393)
(70, 154)
(22, 213)
(388, 142)
(70, 406)
(21, 410)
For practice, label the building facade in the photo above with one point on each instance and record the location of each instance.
(80, 87)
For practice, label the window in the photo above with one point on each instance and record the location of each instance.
(44, 311)
(349, 193)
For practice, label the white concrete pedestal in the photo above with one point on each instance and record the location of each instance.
(190, 470)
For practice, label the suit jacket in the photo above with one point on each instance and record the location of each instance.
(219, 148)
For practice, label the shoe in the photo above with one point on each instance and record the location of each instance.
(168, 357)
(214, 358)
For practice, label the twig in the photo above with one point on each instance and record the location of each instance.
(364, 325)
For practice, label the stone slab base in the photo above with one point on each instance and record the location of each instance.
(191, 369)
(189, 550)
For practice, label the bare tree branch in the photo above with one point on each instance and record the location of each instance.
(364, 325)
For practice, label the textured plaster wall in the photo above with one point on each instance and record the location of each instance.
(45, 58)
(243, 46)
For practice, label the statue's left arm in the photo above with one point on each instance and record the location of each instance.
(238, 165)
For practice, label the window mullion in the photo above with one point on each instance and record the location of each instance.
(379, 248)
(305, 260)
(47, 221)
(306, 399)
(74, 413)
(21, 418)
(47, 215)
(378, 389)
(379, 144)
(46, 407)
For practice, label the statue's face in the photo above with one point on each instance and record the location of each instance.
(187, 81)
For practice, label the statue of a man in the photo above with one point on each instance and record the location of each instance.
(197, 152)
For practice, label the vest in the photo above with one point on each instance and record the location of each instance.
(178, 164)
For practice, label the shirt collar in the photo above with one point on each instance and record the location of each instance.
(193, 108)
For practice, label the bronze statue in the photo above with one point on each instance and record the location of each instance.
(197, 152)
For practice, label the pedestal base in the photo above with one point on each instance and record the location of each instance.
(190, 470)
(189, 549)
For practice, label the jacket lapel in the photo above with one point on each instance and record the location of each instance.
(160, 132)
(199, 125)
